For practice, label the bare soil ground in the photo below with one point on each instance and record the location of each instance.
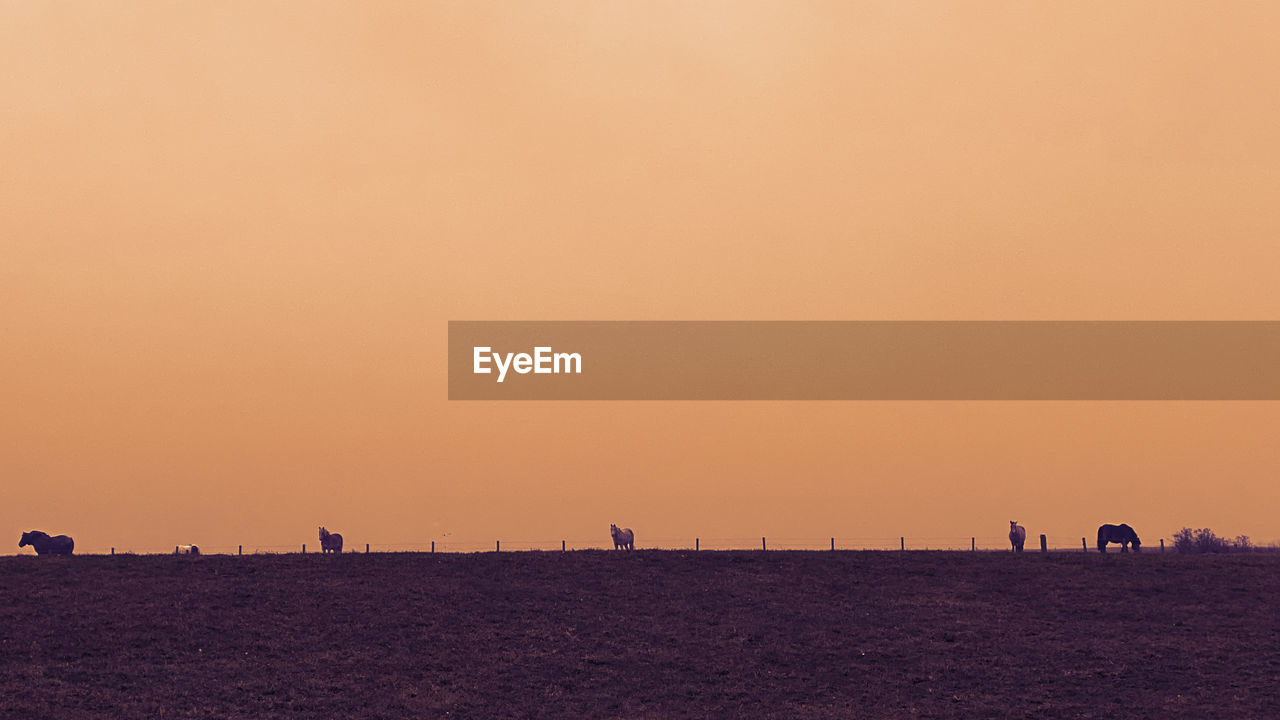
(649, 634)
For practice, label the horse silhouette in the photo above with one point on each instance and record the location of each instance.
(622, 538)
(330, 542)
(1017, 535)
(1122, 534)
(46, 545)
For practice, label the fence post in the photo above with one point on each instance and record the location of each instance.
(366, 548)
(973, 544)
(240, 550)
(696, 542)
(562, 548)
(1161, 544)
(902, 543)
(175, 549)
(1084, 545)
(1044, 543)
(433, 546)
(304, 548)
(497, 546)
(762, 545)
(833, 543)
(113, 551)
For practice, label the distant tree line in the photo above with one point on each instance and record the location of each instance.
(1204, 540)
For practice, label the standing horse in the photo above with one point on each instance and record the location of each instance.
(622, 538)
(1017, 535)
(186, 550)
(45, 545)
(1122, 534)
(330, 542)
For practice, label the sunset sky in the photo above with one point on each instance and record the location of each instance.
(232, 236)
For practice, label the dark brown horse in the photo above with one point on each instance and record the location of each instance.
(1122, 534)
(1017, 535)
(46, 545)
(330, 542)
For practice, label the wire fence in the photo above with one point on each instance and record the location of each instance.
(973, 543)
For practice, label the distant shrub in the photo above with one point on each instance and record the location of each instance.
(1189, 541)
(1203, 540)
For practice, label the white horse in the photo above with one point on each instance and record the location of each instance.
(1017, 535)
(330, 542)
(622, 538)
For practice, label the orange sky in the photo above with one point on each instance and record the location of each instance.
(232, 234)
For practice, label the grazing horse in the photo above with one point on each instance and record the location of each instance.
(1122, 534)
(330, 542)
(186, 550)
(622, 538)
(1017, 535)
(45, 545)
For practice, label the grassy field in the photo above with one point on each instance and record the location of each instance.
(649, 634)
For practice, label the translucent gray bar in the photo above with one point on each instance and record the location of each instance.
(865, 360)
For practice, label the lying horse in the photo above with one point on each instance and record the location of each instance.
(330, 542)
(186, 550)
(1122, 534)
(622, 538)
(45, 545)
(1017, 535)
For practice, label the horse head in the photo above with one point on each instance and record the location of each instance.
(26, 539)
(323, 533)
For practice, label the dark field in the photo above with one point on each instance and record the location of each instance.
(650, 634)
